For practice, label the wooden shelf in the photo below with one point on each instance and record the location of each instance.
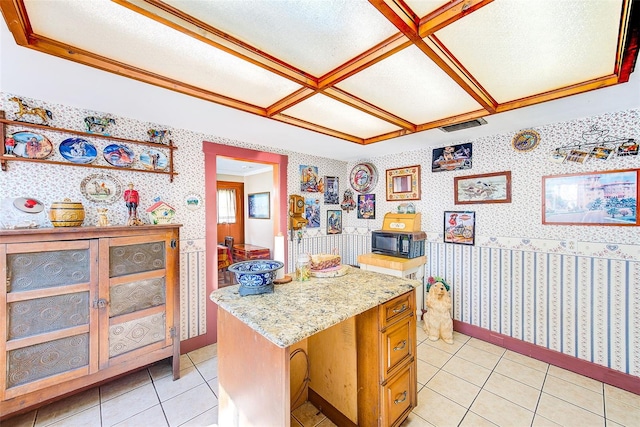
(4, 159)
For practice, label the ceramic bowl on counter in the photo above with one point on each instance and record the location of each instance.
(255, 276)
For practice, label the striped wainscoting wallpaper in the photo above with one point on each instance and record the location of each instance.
(349, 245)
(193, 284)
(581, 299)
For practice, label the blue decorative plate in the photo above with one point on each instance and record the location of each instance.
(78, 150)
(119, 155)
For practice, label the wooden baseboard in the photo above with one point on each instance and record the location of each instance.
(570, 363)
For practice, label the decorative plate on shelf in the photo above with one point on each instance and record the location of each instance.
(119, 155)
(31, 145)
(364, 177)
(101, 188)
(526, 140)
(154, 160)
(78, 150)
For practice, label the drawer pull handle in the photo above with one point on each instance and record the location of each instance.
(402, 399)
(402, 345)
(401, 309)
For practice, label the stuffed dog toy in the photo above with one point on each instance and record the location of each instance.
(437, 320)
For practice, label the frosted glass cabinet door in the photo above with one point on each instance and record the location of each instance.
(136, 318)
(48, 294)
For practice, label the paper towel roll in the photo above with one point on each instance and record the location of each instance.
(278, 253)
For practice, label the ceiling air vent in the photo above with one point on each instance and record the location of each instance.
(464, 125)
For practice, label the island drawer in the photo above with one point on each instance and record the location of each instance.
(396, 309)
(398, 394)
(398, 344)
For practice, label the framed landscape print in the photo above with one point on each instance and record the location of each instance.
(485, 188)
(334, 222)
(460, 227)
(403, 183)
(594, 198)
(259, 206)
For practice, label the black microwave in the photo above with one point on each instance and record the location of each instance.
(398, 244)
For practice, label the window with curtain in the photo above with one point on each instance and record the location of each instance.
(226, 206)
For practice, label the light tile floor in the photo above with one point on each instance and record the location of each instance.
(467, 383)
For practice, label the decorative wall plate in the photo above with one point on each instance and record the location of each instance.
(154, 159)
(364, 177)
(526, 140)
(119, 155)
(193, 201)
(101, 188)
(31, 145)
(78, 150)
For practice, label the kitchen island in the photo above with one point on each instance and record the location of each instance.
(357, 333)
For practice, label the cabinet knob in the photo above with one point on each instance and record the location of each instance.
(100, 303)
(401, 399)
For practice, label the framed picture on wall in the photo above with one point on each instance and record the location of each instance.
(403, 183)
(593, 198)
(485, 188)
(452, 157)
(259, 205)
(366, 206)
(460, 227)
(331, 190)
(334, 222)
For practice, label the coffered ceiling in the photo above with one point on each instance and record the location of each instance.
(363, 71)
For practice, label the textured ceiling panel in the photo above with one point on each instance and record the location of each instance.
(422, 91)
(327, 112)
(110, 30)
(316, 36)
(532, 47)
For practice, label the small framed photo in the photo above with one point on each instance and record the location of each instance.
(334, 222)
(460, 227)
(594, 198)
(259, 205)
(331, 190)
(403, 183)
(485, 188)
(366, 206)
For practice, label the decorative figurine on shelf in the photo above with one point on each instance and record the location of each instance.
(103, 221)
(437, 320)
(9, 145)
(131, 199)
(98, 124)
(158, 136)
(25, 110)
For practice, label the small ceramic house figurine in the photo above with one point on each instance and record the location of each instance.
(437, 320)
(161, 213)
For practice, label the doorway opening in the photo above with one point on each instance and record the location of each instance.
(212, 152)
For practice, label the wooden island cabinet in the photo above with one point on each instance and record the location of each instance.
(358, 333)
(84, 304)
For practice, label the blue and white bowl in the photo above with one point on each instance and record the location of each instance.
(256, 276)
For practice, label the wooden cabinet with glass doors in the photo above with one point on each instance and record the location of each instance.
(83, 305)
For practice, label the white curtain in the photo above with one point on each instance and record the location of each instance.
(226, 206)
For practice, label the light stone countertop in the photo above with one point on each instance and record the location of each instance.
(297, 310)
